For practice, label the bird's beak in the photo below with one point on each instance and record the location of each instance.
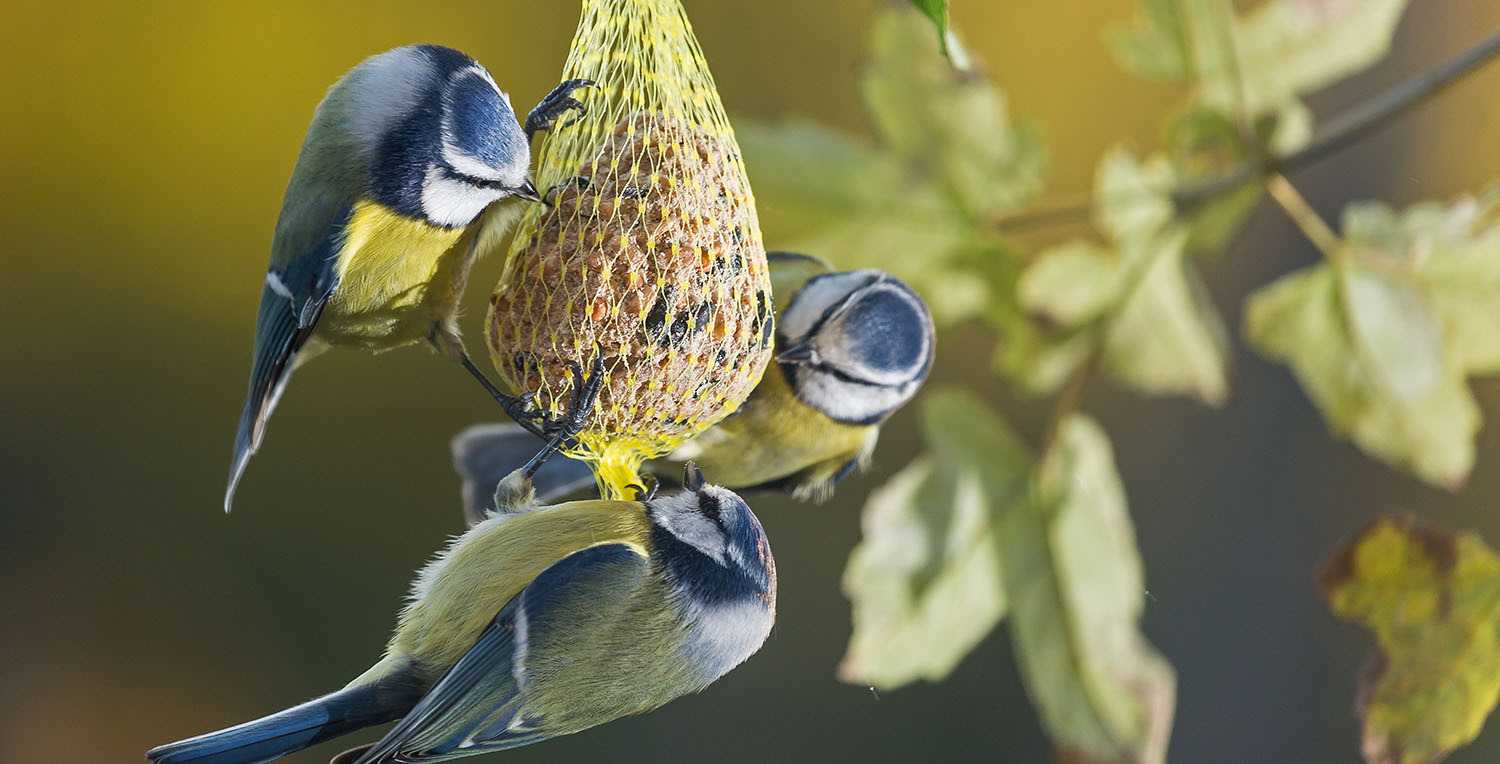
(692, 477)
(528, 191)
(801, 355)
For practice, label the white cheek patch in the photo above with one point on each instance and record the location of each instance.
(700, 533)
(510, 176)
(834, 351)
(849, 402)
(452, 202)
(467, 165)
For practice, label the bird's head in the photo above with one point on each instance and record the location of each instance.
(438, 136)
(714, 554)
(855, 345)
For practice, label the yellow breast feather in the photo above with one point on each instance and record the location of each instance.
(459, 593)
(397, 276)
(769, 439)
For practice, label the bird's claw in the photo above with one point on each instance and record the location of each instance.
(585, 392)
(562, 429)
(527, 408)
(549, 197)
(646, 490)
(557, 103)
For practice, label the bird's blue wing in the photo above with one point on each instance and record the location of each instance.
(290, 304)
(477, 706)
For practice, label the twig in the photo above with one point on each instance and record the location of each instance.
(1338, 132)
(1302, 213)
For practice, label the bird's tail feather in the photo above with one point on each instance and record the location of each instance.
(279, 734)
(278, 337)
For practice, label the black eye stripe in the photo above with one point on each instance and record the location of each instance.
(452, 174)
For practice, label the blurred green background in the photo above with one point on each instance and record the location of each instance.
(144, 148)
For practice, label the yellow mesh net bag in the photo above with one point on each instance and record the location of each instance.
(647, 253)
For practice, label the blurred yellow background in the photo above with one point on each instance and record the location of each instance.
(143, 150)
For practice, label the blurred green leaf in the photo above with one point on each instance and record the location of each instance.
(990, 165)
(920, 202)
(1076, 591)
(1154, 45)
(958, 123)
(1433, 601)
(1131, 199)
(1250, 65)
(831, 195)
(1383, 337)
(1203, 145)
(1452, 253)
(1162, 335)
(1288, 48)
(1070, 284)
(1304, 320)
(925, 579)
(1176, 40)
(1168, 338)
(1032, 351)
(1289, 130)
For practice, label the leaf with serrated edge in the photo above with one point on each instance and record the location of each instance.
(1451, 253)
(1167, 338)
(925, 580)
(1287, 48)
(1384, 338)
(1253, 64)
(1432, 600)
(1076, 593)
(1130, 195)
(1304, 319)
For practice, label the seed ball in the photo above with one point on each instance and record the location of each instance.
(637, 265)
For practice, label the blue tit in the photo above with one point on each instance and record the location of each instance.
(543, 621)
(852, 347)
(381, 218)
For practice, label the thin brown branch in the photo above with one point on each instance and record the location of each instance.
(1296, 207)
(1339, 132)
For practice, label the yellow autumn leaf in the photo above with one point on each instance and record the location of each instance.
(1432, 599)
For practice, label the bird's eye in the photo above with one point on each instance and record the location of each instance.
(709, 506)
